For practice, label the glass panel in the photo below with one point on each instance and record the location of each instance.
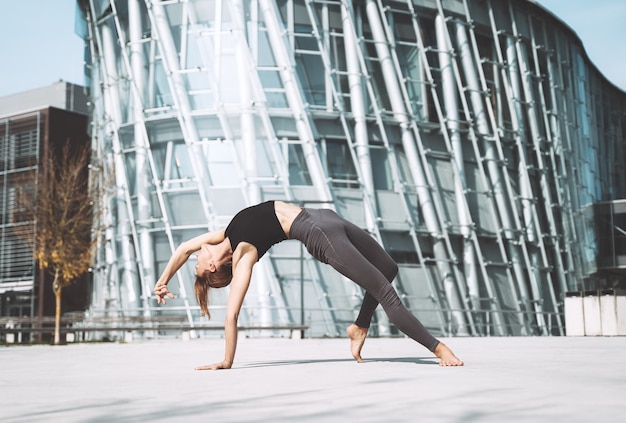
(400, 247)
(339, 70)
(221, 168)
(380, 168)
(312, 76)
(340, 164)
(403, 162)
(306, 42)
(266, 54)
(173, 164)
(208, 127)
(175, 19)
(127, 136)
(229, 77)
(156, 210)
(197, 81)
(277, 100)
(205, 12)
(270, 79)
(193, 59)
(422, 296)
(428, 33)
(444, 179)
(185, 208)
(392, 211)
(262, 157)
(479, 203)
(403, 28)
(298, 169)
(162, 94)
(378, 81)
(338, 53)
(164, 130)
(284, 127)
(180, 167)
(129, 162)
(410, 66)
(226, 20)
(282, 10)
(202, 101)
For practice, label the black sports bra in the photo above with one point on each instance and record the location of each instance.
(257, 225)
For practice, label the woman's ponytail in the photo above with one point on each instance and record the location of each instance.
(201, 289)
(218, 279)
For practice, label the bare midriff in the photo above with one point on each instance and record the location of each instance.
(286, 213)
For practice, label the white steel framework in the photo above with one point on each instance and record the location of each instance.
(470, 138)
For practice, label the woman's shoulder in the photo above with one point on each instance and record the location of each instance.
(213, 238)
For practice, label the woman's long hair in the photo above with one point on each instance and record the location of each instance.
(218, 279)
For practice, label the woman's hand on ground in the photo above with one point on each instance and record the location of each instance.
(216, 366)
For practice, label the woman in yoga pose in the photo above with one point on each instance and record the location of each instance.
(226, 257)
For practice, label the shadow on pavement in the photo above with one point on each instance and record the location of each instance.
(273, 363)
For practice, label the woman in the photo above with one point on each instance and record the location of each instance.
(226, 257)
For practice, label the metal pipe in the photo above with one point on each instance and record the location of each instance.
(129, 281)
(357, 106)
(180, 95)
(423, 188)
(525, 189)
(142, 181)
(452, 118)
(292, 91)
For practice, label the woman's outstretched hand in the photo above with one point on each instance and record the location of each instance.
(161, 291)
(216, 366)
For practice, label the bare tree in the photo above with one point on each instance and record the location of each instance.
(62, 205)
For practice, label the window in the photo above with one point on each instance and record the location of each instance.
(381, 171)
(341, 168)
(400, 247)
(309, 66)
(298, 169)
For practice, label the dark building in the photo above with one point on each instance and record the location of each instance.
(31, 122)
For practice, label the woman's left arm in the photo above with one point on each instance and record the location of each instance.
(242, 273)
(180, 257)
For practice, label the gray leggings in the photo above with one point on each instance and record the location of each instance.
(356, 255)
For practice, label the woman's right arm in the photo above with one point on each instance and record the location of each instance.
(180, 257)
(242, 273)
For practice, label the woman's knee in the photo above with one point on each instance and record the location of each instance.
(390, 271)
(387, 295)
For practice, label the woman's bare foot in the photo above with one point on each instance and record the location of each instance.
(447, 356)
(357, 336)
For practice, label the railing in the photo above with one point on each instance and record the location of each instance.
(86, 326)
(77, 328)
(515, 323)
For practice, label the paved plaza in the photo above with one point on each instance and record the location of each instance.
(532, 379)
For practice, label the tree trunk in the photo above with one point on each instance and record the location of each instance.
(56, 287)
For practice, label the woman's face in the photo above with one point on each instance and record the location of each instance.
(205, 260)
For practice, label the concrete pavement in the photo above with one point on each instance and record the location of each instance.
(533, 379)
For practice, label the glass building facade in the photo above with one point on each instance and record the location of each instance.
(473, 139)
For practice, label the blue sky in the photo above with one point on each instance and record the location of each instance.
(38, 45)
(601, 25)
